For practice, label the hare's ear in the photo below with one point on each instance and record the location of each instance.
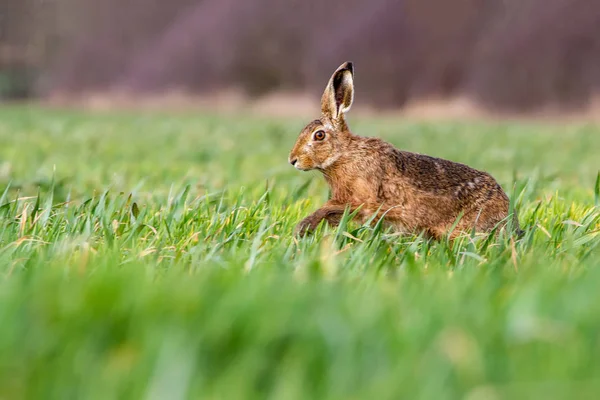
(339, 93)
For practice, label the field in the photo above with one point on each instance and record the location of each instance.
(151, 256)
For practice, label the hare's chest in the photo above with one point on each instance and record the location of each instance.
(356, 191)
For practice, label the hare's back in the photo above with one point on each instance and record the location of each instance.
(444, 177)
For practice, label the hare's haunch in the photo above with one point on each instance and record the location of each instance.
(412, 192)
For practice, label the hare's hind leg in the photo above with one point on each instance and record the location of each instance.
(492, 217)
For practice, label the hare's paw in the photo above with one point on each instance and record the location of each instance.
(306, 226)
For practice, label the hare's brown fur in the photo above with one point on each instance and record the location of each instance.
(413, 192)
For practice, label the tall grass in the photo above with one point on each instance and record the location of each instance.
(152, 257)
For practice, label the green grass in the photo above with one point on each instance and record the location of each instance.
(151, 257)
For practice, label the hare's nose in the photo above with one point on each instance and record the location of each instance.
(293, 162)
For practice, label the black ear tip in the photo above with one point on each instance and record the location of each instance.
(347, 66)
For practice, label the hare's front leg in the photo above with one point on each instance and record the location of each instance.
(330, 212)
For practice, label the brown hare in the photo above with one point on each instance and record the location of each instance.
(413, 193)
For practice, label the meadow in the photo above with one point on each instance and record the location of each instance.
(151, 256)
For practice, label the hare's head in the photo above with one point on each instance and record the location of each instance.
(323, 141)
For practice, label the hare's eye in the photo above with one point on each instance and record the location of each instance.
(319, 135)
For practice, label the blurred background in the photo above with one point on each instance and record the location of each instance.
(503, 55)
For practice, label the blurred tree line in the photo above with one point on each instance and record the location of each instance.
(514, 55)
